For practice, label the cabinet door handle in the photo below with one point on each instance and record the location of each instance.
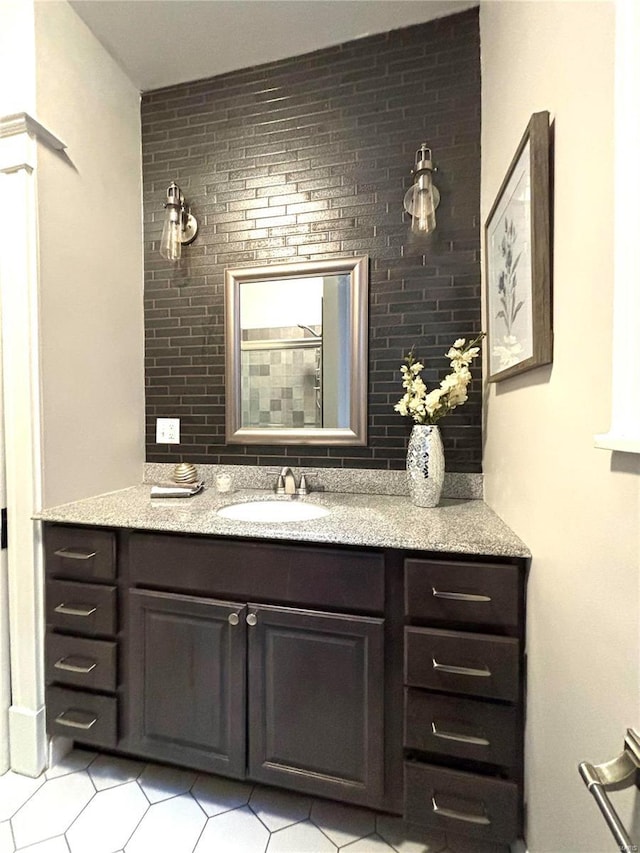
(454, 814)
(233, 619)
(252, 619)
(68, 554)
(64, 719)
(485, 672)
(460, 738)
(77, 610)
(67, 665)
(458, 596)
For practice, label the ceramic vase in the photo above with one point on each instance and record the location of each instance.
(425, 465)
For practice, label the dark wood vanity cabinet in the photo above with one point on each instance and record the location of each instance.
(81, 647)
(464, 696)
(315, 698)
(186, 692)
(282, 694)
(381, 678)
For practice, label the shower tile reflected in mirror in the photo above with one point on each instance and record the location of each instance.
(282, 376)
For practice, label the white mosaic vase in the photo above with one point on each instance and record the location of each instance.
(425, 465)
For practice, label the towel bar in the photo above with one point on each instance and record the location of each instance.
(621, 772)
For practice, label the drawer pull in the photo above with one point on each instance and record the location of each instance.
(77, 610)
(470, 739)
(458, 596)
(67, 665)
(485, 672)
(76, 722)
(68, 554)
(453, 814)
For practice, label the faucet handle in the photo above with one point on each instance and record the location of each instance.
(304, 488)
(279, 490)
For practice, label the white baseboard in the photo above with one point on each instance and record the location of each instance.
(59, 746)
(27, 740)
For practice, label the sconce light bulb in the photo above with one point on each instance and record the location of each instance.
(424, 207)
(422, 198)
(180, 226)
(170, 242)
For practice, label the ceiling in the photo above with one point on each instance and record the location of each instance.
(164, 42)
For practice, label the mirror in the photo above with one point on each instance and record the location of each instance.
(296, 353)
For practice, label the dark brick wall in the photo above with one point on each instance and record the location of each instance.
(309, 158)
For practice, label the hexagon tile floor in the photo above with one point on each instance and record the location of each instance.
(92, 803)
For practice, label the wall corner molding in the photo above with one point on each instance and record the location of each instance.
(624, 432)
(17, 123)
(19, 334)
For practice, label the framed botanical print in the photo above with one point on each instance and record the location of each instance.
(518, 260)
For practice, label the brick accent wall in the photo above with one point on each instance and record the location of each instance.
(309, 158)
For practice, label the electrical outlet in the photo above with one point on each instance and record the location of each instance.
(167, 430)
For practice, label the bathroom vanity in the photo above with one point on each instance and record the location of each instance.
(381, 674)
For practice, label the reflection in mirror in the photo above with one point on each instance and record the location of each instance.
(296, 353)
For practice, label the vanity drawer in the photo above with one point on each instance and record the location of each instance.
(84, 608)
(81, 662)
(85, 717)
(474, 594)
(460, 662)
(80, 553)
(462, 728)
(309, 575)
(452, 801)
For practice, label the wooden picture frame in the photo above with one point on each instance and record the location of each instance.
(518, 260)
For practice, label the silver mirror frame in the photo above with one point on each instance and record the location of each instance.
(356, 432)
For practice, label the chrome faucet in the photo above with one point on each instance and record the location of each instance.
(288, 482)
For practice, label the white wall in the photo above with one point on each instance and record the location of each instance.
(576, 507)
(91, 275)
(72, 317)
(17, 52)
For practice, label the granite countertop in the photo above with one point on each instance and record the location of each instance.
(370, 520)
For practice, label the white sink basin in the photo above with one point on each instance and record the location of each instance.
(272, 511)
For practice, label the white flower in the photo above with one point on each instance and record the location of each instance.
(401, 406)
(432, 401)
(427, 407)
(449, 382)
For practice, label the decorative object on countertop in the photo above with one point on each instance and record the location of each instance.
(179, 490)
(425, 465)
(518, 260)
(223, 483)
(185, 472)
(425, 453)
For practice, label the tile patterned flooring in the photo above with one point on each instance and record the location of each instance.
(93, 803)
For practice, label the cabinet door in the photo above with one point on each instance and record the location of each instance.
(187, 680)
(316, 690)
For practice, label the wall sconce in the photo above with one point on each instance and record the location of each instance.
(422, 198)
(180, 227)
